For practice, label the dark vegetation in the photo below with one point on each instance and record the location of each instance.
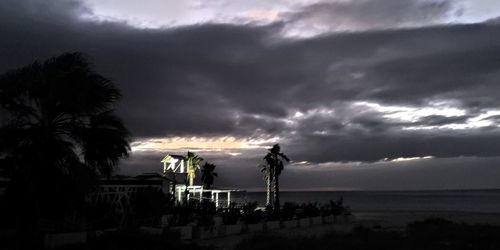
(431, 234)
(61, 134)
(299, 211)
(135, 240)
(202, 214)
(208, 175)
(205, 213)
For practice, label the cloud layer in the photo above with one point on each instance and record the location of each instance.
(371, 96)
(323, 17)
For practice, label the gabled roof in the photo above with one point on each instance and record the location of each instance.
(169, 158)
(180, 157)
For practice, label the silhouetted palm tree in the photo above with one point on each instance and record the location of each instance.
(60, 133)
(275, 160)
(208, 175)
(193, 165)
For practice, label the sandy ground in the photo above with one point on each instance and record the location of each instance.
(394, 220)
(229, 242)
(399, 219)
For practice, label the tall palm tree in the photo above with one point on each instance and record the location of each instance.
(275, 160)
(208, 175)
(60, 133)
(193, 165)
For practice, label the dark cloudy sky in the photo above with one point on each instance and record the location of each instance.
(361, 94)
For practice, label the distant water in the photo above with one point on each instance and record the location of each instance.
(483, 201)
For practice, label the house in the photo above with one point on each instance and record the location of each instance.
(173, 179)
(175, 171)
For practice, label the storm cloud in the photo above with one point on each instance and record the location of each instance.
(405, 87)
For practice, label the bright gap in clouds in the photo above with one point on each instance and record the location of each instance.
(223, 143)
(409, 158)
(154, 14)
(411, 114)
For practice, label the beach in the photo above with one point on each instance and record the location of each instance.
(399, 219)
(377, 220)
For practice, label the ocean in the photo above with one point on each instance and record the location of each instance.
(479, 201)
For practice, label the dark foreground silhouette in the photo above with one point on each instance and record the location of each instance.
(434, 234)
(58, 135)
(129, 240)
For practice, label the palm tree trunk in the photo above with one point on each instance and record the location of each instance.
(191, 179)
(276, 195)
(186, 192)
(174, 187)
(268, 189)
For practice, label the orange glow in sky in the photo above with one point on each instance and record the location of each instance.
(200, 143)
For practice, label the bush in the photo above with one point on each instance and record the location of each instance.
(230, 215)
(250, 214)
(295, 211)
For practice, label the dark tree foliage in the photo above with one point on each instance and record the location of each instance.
(58, 133)
(208, 174)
